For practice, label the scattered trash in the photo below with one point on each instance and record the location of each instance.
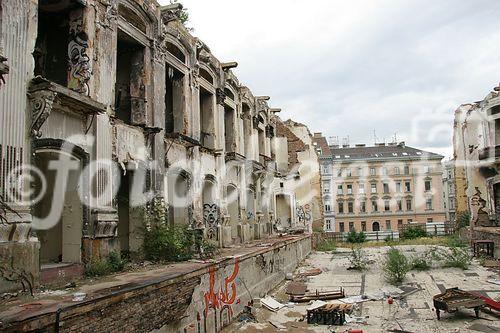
(247, 315)
(277, 325)
(70, 285)
(355, 331)
(289, 276)
(494, 281)
(355, 299)
(390, 300)
(318, 295)
(78, 297)
(328, 314)
(311, 272)
(355, 320)
(271, 304)
(315, 305)
(296, 288)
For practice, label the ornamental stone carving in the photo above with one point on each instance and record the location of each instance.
(41, 105)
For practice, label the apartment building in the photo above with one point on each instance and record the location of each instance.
(380, 187)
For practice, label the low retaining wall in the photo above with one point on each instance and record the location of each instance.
(203, 301)
(488, 233)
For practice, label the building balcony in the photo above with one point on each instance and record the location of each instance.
(46, 96)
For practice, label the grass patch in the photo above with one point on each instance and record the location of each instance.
(327, 245)
(422, 262)
(395, 266)
(457, 257)
(105, 266)
(440, 240)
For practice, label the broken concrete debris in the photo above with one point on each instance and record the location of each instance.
(271, 304)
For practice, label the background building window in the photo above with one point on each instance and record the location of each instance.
(408, 204)
(328, 225)
(430, 220)
(363, 225)
(374, 205)
(350, 207)
(386, 188)
(428, 203)
(407, 170)
(349, 173)
(360, 172)
(407, 187)
(362, 207)
(400, 222)
(328, 208)
(400, 204)
(351, 226)
(361, 189)
(427, 185)
(384, 171)
(340, 190)
(374, 188)
(398, 187)
(341, 208)
(388, 225)
(410, 221)
(396, 170)
(372, 172)
(387, 205)
(341, 227)
(349, 188)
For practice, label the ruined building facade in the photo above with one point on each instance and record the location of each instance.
(141, 111)
(476, 139)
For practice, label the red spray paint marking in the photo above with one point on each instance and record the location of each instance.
(217, 299)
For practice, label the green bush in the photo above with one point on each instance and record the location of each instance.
(459, 258)
(116, 262)
(104, 266)
(395, 266)
(358, 259)
(421, 262)
(356, 237)
(327, 245)
(208, 249)
(168, 243)
(414, 232)
(455, 241)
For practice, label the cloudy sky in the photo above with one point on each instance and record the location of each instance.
(360, 68)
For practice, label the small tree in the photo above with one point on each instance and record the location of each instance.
(395, 266)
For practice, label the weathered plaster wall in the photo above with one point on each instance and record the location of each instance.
(202, 301)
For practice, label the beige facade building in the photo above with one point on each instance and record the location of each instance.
(380, 188)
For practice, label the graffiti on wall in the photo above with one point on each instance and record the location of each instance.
(222, 294)
(304, 213)
(211, 220)
(79, 62)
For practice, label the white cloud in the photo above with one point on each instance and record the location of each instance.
(349, 67)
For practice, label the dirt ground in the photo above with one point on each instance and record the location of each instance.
(413, 313)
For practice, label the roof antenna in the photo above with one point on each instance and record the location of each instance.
(375, 139)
